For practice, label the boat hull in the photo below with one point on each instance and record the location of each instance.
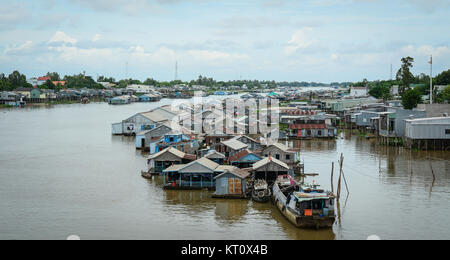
(316, 222)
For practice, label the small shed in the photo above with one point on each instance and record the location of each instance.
(231, 184)
(269, 169)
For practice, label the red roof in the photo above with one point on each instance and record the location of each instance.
(302, 112)
(190, 157)
(239, 155)
(308, 126)
(44, 78)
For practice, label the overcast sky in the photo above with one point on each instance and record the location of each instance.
(292, 40)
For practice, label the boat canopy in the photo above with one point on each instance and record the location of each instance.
(311, 196)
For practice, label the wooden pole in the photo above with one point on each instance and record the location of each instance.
(432, 172)
(332, 176)
(340, 177)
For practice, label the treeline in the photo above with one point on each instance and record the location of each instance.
(212, 83)
(411, 88)
(17, 80)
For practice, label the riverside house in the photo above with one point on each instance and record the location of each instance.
(231, 147)
(142, 121)
(269, 169)
(198, 174)
(215, 156)
(232, 184)
(143, 138)
(244, 159)
(307, 128)
(159, 162)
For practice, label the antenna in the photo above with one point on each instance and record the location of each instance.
(391, 73)
(176, 70)
(431, 79)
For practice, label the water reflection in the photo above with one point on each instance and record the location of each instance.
(231, 211)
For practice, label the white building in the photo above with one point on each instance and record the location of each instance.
(141, 89)
(359, 92)
(394, 90)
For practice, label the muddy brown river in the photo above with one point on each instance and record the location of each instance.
(62, 173)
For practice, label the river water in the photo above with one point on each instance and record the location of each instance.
(62, 173)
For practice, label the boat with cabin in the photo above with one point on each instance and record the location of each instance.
(261, 191)
(306, 206)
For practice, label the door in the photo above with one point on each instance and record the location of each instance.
(234, 186)
(143, 143)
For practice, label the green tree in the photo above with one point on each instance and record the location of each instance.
(443, 78)
(444, 95)
(54, 76)
(81, 81)
(105, 79)
(5, 85)
(411, 98)
(404, 74)
(47, 85)
(150, 82)
(381, 91)
(17, 80)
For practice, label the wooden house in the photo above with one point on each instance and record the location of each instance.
(244, 159)
(215, 156)
(252, 144)
(143, 139)
(231, 184)
(159, 162)
(282, 152)
(143, 121)
(269, 169)
(212, 140)
(198, 174)
(231, 147)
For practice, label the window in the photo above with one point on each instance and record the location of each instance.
(288, 157)
(277, 156)
(447, 131)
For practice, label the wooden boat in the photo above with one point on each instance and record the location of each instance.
(261, 191)
(305, 206)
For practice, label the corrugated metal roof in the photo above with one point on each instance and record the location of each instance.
(269, 160)
(214, 155)
(175, 168)
(308, 126)
(235, 144)
(171, 150)
(205, 162)
(240, 173)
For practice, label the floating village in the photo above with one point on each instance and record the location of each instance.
(220, 145)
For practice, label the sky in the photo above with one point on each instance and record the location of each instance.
(282, 40)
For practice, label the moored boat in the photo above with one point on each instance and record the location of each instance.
(261, 191)
(305, 206)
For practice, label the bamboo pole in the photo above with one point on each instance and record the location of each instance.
(340, 177)
(332, 176)
(432, 172)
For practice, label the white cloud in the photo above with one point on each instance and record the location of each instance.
(301, 39)
(11, 50)
(62, 37)
(426, 50)
(216, 56)
(96, 38)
